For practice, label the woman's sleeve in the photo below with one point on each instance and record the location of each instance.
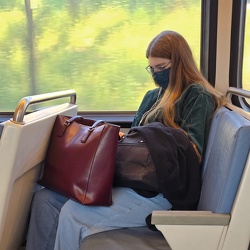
(147, 102)
(196, 116)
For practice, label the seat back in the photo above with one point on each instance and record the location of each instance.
(224, 162)
(1, 128)
(23, 148)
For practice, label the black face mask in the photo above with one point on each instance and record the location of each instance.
(162, 78)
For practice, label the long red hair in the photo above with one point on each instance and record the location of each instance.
(183, 72)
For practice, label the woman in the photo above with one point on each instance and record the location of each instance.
(183, 100)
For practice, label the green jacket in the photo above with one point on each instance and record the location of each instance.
(193, 113)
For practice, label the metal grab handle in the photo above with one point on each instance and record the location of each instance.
(25, 102)
(236, 91)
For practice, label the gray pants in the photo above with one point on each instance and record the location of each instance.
(59, 223)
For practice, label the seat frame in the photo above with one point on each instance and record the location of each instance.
(195, 230)
(23, 146)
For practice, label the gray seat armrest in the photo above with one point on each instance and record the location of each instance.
(189, 218)
(139, 238)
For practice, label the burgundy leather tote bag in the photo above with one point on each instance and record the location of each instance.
(80, 160)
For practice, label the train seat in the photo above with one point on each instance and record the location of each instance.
(222, 220)
(23, 145)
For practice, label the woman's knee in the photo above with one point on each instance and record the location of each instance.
(46, 197)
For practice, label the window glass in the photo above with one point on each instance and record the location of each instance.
(96, 47)
(246, 56)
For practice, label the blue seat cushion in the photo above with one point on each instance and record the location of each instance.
(225, 158)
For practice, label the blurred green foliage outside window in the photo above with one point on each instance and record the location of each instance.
(96, 47)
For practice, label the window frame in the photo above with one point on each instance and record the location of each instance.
(237, 49)
(209, 14)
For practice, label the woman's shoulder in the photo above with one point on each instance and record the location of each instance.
(196, 87)
(196, 90)
(196, 93)
(152, 93)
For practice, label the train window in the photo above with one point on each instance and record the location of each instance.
(96, 47)
(246, 55)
